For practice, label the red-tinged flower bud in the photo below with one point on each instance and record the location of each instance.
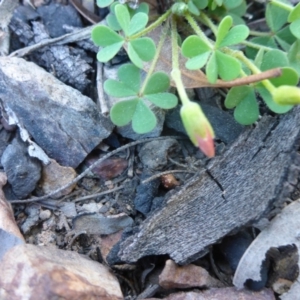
(287, 95)
(198, 128)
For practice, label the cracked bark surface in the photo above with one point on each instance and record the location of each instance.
(256, 174)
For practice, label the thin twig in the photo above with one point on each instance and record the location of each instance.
(99, 83)
(91, 167)
(98, 194)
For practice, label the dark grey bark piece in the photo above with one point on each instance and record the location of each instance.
(63, 122)
(69, 65)
(235, 190)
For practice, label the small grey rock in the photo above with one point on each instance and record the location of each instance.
(23, 172)
(63, 122)
(145, 193)
(33, 212)
(93, 223)
(56, 15)
(154, 155)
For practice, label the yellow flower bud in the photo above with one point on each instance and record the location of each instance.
(198, 128)
(286, 95)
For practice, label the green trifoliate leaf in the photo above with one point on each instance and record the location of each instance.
(193, 46)
(158, 82)
(134, 57)
(289, 76)
(108, 52)
(137, 23)
(212, 69)
(104, 36)
(286, 36)
(144, 48)
(294, 57)
(223, 30)
(198, 61)
(273, 106)
(193, 9)
(274, 59)
(130, 75)
(264, 40)
(218, 2)
(112, 22)
(230, 4)
(201, 4)
(104, 3)
(163, 100)
(236, 95)
(247, 112)
(235, 35)
(143, 120)
(295, 28)
(294, 14)
(143, 8)
(118, 89)
(276, 17)
(259, 57)
(123, 111)
(123, 17)
(228, 67)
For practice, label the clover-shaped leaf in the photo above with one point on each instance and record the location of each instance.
(113, 23)
(247, 111)
(274, 59)
(193, 8)
(236, 35)
(195, 48)
(104, 3)
(130, 24)
(158, 82)
(276, 17)
(201, 4)
(143, 120)
(212, 68)
(228, 67)
(123, 111)
(104, 36)
(223, 29)
(109, 39)
(295, 28)
(294, 14)
(289, 76)
(227, 37)
(294, 57)
(236, 95)
(136, 108)
(163, 100)
(142, 49)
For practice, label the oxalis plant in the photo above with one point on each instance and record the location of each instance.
(250, 64)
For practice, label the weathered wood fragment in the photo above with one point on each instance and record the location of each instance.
(235, 190)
